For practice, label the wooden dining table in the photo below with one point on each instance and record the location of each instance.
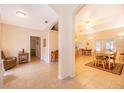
(108, 55)
(102, 53)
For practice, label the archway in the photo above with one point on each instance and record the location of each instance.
(66, 65)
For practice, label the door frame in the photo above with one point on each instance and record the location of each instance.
(39, 44)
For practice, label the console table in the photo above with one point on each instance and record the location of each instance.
(23, 57)
(87, 52)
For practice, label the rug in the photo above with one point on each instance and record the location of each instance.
(116, 70)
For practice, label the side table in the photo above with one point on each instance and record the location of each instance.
(23, 57)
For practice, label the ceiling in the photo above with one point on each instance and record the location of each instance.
(100, 17)
(36, 15)
(93, 18)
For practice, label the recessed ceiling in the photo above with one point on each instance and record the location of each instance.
(36, 15)
(99, 18)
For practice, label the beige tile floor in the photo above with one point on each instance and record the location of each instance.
(38, 74)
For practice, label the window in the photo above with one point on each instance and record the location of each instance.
(107, 45)
(79, 45)
(110, 45)
(98, 45)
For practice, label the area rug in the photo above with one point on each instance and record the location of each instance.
(116, 70)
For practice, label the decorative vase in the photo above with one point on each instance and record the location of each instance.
(23, 51)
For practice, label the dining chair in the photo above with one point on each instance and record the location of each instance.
(99, 60)
(94, 58)
(102, 61)
(112, 59)
(122, 55)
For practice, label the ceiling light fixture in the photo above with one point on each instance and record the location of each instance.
(121, 34)
(90, 38)
(20, 13)
(88, 24)
(121, 37)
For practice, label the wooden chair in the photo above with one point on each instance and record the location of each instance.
(54, 56)
(100, 60)
(111, 61)
(94, 58)
(122, 56)
(103, 62)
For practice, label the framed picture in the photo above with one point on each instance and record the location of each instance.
(44, 42)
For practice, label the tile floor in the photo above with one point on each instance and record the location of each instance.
(38, 74)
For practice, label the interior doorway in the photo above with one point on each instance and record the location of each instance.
(54, 43)
(35, 47)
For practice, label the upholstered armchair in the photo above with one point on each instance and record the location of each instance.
(8, 62)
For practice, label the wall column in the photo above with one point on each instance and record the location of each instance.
(66, 45)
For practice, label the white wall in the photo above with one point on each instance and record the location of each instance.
(45, 50)
(0, 40)
(0, 35)
(16, 38)
(53, 41)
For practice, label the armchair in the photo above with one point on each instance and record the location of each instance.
(8, 62)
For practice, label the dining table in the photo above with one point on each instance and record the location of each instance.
(102, 53)
(105, 54)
